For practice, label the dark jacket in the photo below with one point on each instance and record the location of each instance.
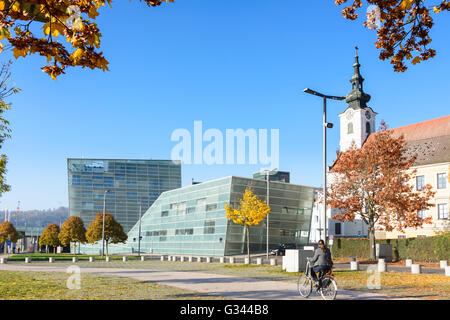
(321, 258)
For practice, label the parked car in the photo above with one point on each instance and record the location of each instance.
(281, 249)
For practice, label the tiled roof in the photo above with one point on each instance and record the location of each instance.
(425, 129)
(428, 140)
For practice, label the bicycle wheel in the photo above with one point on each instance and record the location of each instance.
(329, 288)
(304, 286)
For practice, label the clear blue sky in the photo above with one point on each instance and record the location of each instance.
(230, 64)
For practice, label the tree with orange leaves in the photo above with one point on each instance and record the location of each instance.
(403, 27)
(374, 183)
(69, 19)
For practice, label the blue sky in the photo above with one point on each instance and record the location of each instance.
(230, 64)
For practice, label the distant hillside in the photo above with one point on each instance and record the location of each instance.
(37, 218)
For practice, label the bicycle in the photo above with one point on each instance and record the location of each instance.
(326, 286)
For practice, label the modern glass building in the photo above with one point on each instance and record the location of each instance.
(191, 220)
(131, 183)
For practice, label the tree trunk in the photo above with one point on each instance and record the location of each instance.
(372, 242)
(106, 248)
(248, 243)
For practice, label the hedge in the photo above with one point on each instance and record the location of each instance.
(429, 249)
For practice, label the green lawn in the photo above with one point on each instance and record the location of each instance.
(24, 285)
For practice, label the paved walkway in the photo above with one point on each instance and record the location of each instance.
(231, 287)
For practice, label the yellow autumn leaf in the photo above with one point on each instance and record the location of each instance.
(416, 60)
(436, 10)
(2, 5)
(406, 4)
(76, 55)
(16, 6)
(19, 52)
(93, 13)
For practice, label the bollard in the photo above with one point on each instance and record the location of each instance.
(382, 265)
(199, 259)
(74, 259)
(162, 258)
(408, 262)
(27, 260)
(443, 264)
(91, 259)
(258, 261)
(354, 265)
(182, 259)
(352, 259)
(447, 271)
(190, 259)
(273, 262)
(232, 260)
(124, 258)
(416, 268)
(246, 261)
(108, 259)
(3, 260)
(208, 259)
(142, 258)
(51, 260)
(222, 260)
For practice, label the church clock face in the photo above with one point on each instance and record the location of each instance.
(349, 114)
(368, 115)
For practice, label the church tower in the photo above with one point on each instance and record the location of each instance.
(358, 120)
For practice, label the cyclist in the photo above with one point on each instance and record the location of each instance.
(321, 261)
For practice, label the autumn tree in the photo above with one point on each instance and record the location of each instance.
(8, 233)
(373, 182)
(6, 90)
(113, 230)
(49, 237)
(403, 27)
(45, 26)
(250, 213)
(72, 231)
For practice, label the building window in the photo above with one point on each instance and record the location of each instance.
(337, 228)
(443, 211)
(211, 207)
(164, 213)
(441, 180)
(421, 214)
(191, 210)
(420, 182)
(401, 236)
(209, 227)
(367, 127)
(350, 128)
(183, 232)
(421, 236)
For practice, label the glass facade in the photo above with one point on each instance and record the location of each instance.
(191, 220)
(131, 183)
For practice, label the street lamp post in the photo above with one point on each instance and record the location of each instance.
(139, 239)
(325, 126)
(103, 227)
(268, 172)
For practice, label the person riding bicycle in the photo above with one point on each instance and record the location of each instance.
(321, 261)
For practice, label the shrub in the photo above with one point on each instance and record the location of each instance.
(430, 249)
